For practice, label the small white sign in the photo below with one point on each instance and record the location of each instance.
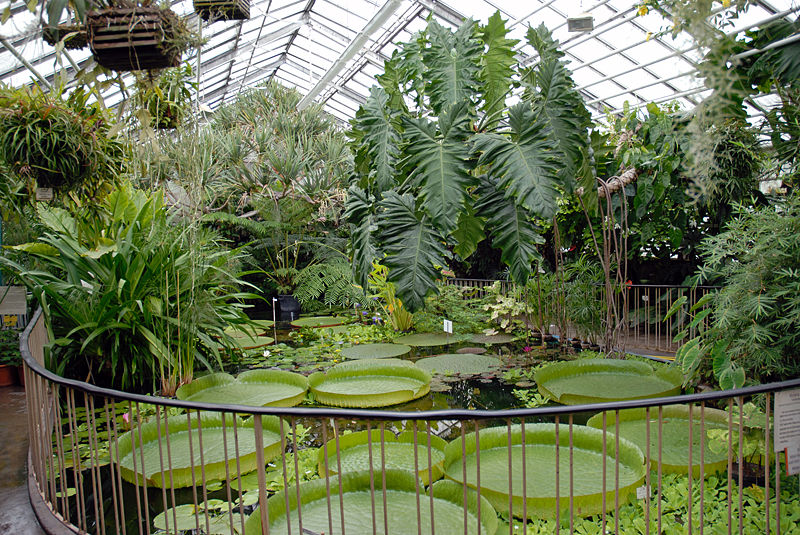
(44, 194)
(448, 326)
(642, 492)
(793, 460)
(787, 420)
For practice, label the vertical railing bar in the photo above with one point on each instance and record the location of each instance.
(740, 402)
(118, 465)
(478, 473)
(258, 429)
(777, 490)
(647, 471)
(558, 474)
(464, 474)
(383, 479)
(603, 485)
(58, 429)
(510, 480)
(327, 472)
(46, 478)
(97, 485)
(702, 464)
(660, 445)
(616, 471)
(161, 465)
(430, 474)
(238, 469)
(571, 477)
(371, 477)
(76, 459)
(691, 465)
(730, 466)
(766, 463)
(228, 471)
(145, 497)
(339, 472)
(416, 478)
(111, 469)
(202, 471)
(286, 478)
(295, 454)
(136, 477)
(36, 421)
(524, 475)
(191, 464)
(169, 467)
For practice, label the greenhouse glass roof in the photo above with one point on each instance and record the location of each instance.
(331, 50)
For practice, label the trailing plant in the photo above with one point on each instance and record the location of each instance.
(129, 294)
(439, 156)
(164, 100)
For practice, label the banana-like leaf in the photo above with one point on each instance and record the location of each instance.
(401, 494)
(439, 160)
(674, 436)
(414, 249)
(37, 248)
(149, 442)
(522, 160)
(375, 351)
(452, 64)
(459, 363)
(600, 380)
(496, 67)
(274, 388)
(359, 212)
(373, 122)
(369, 383)
(584, 461)
(512, 230)
(388, 452)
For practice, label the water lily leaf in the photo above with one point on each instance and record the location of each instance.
(369, 383)
(397, 451)
(184, 454)
(263, 324)
(462, 364)
(400, 495)
(539, 454)
(186, 518)
(675, 436)
(500, 338)
(599, 380)
(425, 339)
(274, 388)
(375, 351)
(320, 321)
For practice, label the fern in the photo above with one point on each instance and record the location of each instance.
(332, 282)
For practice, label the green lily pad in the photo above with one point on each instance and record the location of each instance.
(275, 388)
(320, 321)
(186, 517)
(425, 339)
(675, 438)
(499, 338)
(461, 364)
(539, 455)
(184, 454)
(369, 383)
(264, 324)
(242, 331)
(398, 452)
(600, 380)
(402, 494)
(375, 351)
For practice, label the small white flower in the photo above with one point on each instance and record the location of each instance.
(266, 353)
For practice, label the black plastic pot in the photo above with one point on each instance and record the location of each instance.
(289, 308)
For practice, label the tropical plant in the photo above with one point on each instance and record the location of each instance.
(585, 306)
(130, 295)
(9, 347)
(386, 293)
(439, 156)
(163, 100)
(51, 141)
(330, 282)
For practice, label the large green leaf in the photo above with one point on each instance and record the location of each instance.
(348, 499)
(512, 230)
(601, 380)
(425, 339)
(320, 321)
(496, 67)
(387, 451)
(359, 212)
(468, 234)
(374, 122)
(369, 383)
(375, 351)
(460, 364)
(673, 436)
(143, 453)
(522, 160)
(274, 388)
(439, 163)
(500, 446)
(413, 247)
(452, 63)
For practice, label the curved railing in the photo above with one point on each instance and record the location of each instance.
(78, 430)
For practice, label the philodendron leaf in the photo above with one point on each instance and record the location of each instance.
(468, 234)
(512, 230)
(452, 62)
(374, 121)
(359, 212)
(414, 249)
(521, 160)
(496, 66)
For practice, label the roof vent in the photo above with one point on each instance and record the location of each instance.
(580, 23)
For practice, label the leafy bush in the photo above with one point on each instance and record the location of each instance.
(9, 347)
(453, 303)
(129, 293)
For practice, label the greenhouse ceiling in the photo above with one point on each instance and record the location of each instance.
(331, 51)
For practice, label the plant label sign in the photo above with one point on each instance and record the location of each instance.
(448, 326)
(787, 420)
(44, 194)
(793, 460)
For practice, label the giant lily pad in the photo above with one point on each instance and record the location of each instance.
(174, 467)
(675, 439)
(499, 338)
(319, 321)
(425, 339)
(274, 388)
(601, 380)
(459, 364)
(396, 452)
(375, 351)
(403, 497)
(263, 324)
(539, 454)
(370, 383)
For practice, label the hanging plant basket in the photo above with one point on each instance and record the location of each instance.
(74, 36)
(134, 39)
(222, 9)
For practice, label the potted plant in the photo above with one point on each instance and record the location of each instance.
(73, 36)
(10, 358)
(164, 101)
(222, 9)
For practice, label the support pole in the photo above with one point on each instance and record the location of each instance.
(25, 62)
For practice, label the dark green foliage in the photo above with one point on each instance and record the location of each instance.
(330, 282)
(9, 347)
(454, 304)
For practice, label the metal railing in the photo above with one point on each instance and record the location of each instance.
(644, 324)
(105, 461)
